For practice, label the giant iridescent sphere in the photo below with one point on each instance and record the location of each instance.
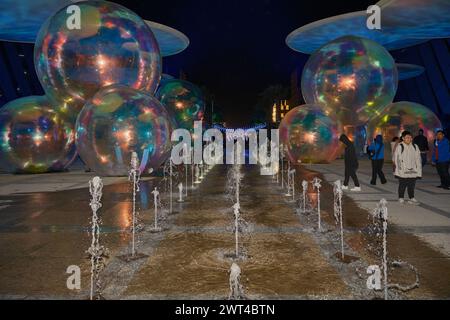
(118, 121)
(111, 45)
(34, 137)
(401, 116)
(310, 134)
(183, 100)
(354, 76)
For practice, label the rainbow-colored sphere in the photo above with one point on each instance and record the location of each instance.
(34, 137)
(183, 100)
(110, 45)
(118, 121)
(356, 77)
(310, 134)
(401, 116)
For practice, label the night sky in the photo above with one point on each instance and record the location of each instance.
(237, 47)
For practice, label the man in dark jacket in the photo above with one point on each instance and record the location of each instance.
(422, 142)
(351, 163)
(441, 157)
(376, 150)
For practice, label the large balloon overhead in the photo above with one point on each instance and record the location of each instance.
(401, 116)
(356, 77)
(111, 46)
(118, 121)
(183, 100)
(312, 36)
(34, 137)
(20, 21)
(310, 134)
(419, 19)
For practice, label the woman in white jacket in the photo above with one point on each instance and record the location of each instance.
(408, 167)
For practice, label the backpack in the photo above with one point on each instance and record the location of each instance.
(403, 147)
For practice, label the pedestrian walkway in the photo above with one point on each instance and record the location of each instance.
(430, 221)
(284, 256)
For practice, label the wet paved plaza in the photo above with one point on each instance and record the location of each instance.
(285, 257)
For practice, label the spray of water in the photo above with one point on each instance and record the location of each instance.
(304, 204)
(134, 176)
(236, 288)
(197, 174)
(156, 204)
(316, 183)
(337, 190)
(379, 229)
(234, 180)
(96, 251)
(171, 175)
(180, 192)
(236, 227)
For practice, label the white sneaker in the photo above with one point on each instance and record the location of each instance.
(401, 201)
(344, 187)
(356, 189)
(413, 201)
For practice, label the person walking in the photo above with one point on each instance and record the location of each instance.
(408, 167)
(422, 142)
(376, 152)
(441, 158)
(351, 164)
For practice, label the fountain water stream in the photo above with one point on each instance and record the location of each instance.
(316, 183)
(96, 251)
(236, 288)
(337, 190)
(156, 204)
(134, 177)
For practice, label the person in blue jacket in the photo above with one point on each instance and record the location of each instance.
(441, 158)
(376, 152)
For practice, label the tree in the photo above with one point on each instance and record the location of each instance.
(262, 110)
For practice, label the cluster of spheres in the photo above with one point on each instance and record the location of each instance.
(100, 65)
(309, 134)
(355, 77)
(34, 137)
(401, 116)
(352, 80)
(183, 100)
(110, 45)
(120, 120)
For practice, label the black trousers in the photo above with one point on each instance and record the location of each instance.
(377, 170)
(406, 183)
(442, 169)
(351, 173)
(423, 156)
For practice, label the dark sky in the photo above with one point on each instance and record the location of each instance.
(237, 47)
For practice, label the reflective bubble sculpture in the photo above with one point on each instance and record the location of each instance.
(401, 116)
(183, 100)
(34, 137)
(112, 46)
(310, 134)
(354, 76)
(117, 121)
(164, 78)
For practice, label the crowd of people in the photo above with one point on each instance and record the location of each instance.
(409, 156)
